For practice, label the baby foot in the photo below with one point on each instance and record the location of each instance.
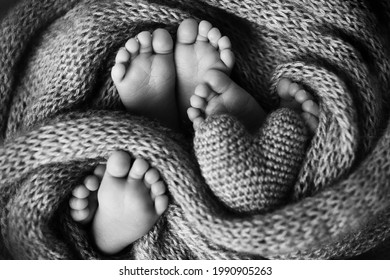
(144, 74)
(131, 198)
(220, 95)
(295, 97)
(199, 48)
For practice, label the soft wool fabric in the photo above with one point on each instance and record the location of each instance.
(251, 174)
(60, 115)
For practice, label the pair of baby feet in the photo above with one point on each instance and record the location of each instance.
(156, 78)
(150, 69)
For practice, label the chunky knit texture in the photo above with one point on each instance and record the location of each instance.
(60, 115)
(251, 174)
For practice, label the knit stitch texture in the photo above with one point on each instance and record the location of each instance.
(237, 196)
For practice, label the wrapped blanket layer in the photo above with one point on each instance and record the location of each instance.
(60, 116)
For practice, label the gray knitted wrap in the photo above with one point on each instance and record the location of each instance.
(236, 196)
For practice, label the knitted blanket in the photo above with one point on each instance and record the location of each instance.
(232, 195)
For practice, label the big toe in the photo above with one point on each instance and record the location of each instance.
(118, 164)
(162, 41)
(187, 31)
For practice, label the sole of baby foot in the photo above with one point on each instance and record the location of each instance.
(221, 95)
(145, 76)
(293, 96)
(132, 196)
(83, 203)
(199, 48)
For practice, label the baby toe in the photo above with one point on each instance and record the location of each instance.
(132, 46)
(311, 121)
(162, 41)
(197, 122)
(118, 72)
(138, 169)
(99, 171)
(118, 164)
(218, 82)
(80, 192)
(282, 88)
(302, 95)
(78, 204)
(123, 56)
(311, 107)
(203, 30)
(193, 113)
(145, 42)
(187, 31)
(224, 43)
(202, 90)
(227, 57)
(161, 204)
(80, 215)
(152, 176)
(293, 89)
(158, 189)
(198, 102)
(214, 35)
(92, 182)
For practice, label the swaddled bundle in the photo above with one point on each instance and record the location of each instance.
(60, 116)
